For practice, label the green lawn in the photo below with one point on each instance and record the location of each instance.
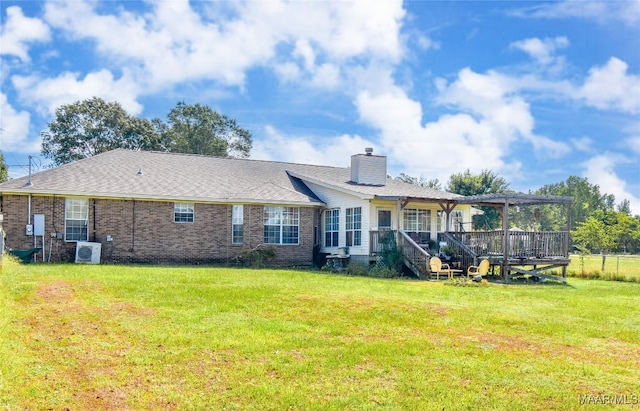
(191, 338)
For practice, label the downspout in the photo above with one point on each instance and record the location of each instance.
(29, 218)
(93, 236)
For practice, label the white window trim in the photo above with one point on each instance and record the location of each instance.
(237, 219)
(353, 228)
(281, 224)
(68, 202)
(329, 214)
(192, 209)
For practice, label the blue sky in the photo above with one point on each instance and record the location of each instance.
(534, 91)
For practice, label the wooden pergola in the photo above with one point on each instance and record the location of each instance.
(521, 253)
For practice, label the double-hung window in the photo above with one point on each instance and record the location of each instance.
(331, 227)
(353, 226)
(237, 222)
(281, 225)
(183, 212)
(76, 219)
(417, 223)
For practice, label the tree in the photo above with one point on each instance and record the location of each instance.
(422, 181)
(89, 127)
(487, 182)
(3, 169)
(586, 197)
(627, 233)
(593, 235)
(625, 206)
(198, 129)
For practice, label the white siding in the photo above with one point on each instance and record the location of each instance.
(369, 169)
(342, 201)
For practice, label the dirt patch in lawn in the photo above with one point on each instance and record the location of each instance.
(75, 342)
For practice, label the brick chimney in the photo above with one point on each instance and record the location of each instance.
(369, 169)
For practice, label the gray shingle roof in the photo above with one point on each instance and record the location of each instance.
(189, 177)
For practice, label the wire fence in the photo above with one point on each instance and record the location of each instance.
(607, 266)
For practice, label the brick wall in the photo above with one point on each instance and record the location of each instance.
(145, 231)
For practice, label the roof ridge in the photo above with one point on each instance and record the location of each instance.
(230, 158)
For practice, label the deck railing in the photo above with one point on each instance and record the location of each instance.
(521, 244)
(378, 240)
(414, 255)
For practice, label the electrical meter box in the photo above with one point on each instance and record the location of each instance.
(38, 224)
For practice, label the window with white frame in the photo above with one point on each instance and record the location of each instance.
(456, 220)
(353, 225)
(183, 212)
(442, 218)
(237, 224)
(331, 227)
(417, 223)
(76, 219)
(281, 225)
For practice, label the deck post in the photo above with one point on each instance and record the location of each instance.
(505, 240)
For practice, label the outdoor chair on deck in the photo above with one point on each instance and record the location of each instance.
(481, 269)
(437, 266)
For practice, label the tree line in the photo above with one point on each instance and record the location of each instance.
(598, 224)
(93, 126)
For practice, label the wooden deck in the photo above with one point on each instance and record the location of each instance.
(530, 254)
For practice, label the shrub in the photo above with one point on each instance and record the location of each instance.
(382, 271)
(257, 257)
(357, 269)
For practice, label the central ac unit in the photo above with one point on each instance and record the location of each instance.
(88, 253)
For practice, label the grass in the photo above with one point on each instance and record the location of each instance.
(616, 267)
(191, 338)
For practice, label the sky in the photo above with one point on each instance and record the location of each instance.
(533, 91)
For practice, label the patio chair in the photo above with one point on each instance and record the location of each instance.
(437, 266)
(481, 269)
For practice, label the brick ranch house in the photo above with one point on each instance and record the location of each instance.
(179, 208)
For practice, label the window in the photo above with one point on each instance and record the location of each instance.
(456, 220)
(237, 224)
(354, 226)
(417, 223)
(331, 227)
(384, 220)
(76, 219)
(281, 225)
(183, 212)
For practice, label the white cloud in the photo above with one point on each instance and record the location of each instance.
(603, 11)
(18, 31)
(174, 44)
(51, 93)
(633, 144)
(583, 144)
(610, 87)
(600, 170)
(14, 128)
(436, 149)
(334, 151)
(542, 50)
